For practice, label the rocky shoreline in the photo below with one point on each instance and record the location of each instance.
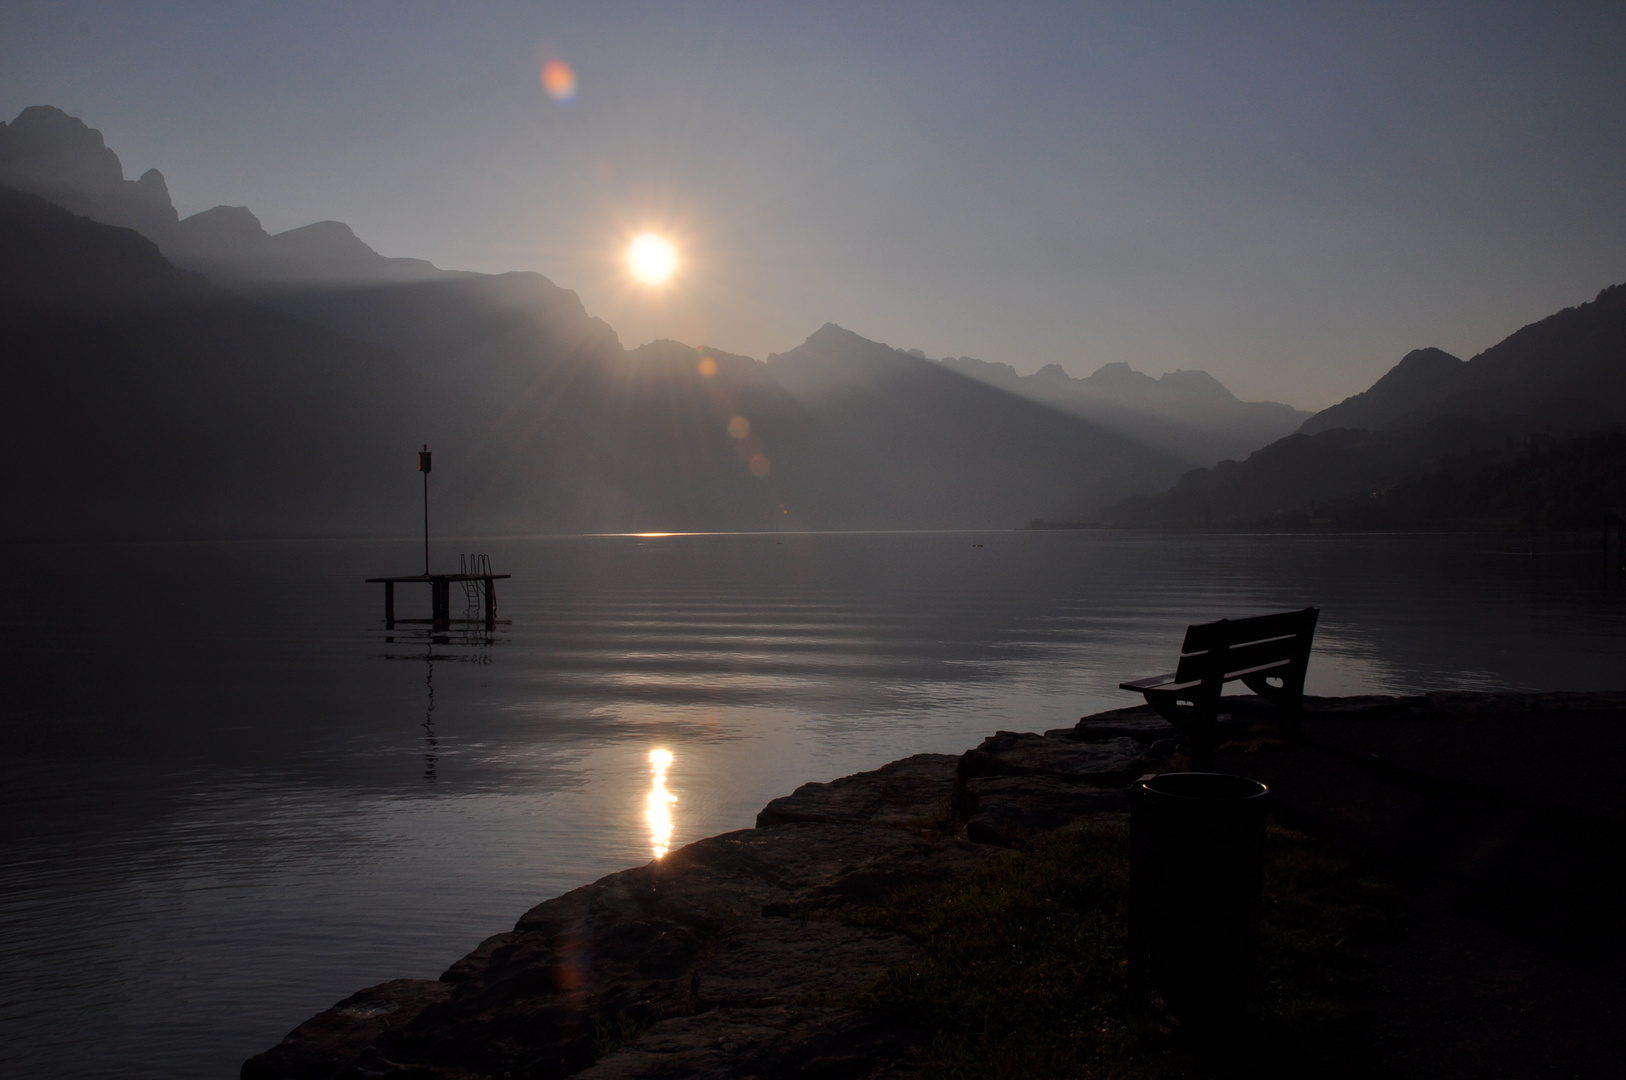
(698, 965)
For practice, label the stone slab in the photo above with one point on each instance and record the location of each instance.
(913, 789)
(1140, 722)
(808, 1041)
(313, 1049)
(1013, 753)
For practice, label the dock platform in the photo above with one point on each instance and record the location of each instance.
(440, 589)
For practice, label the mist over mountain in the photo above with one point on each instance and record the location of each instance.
(140, 400)
(1525, 433)
(143, 400)
(1189, 413)
(544, 421)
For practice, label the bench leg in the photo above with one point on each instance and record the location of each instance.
(1288, 699)
(1196, 715)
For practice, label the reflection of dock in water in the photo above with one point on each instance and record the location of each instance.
(431, 752)
(477, 639)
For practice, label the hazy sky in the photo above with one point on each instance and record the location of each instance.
(1288, 195)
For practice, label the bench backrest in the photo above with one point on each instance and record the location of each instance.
(1217, 650)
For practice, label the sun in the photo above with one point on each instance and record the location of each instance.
(652, 259)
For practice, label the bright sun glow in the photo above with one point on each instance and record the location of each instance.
(652, 259)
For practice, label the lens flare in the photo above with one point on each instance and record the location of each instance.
(758, 465)
(652, 259)
(707, 366)
(739, 427)
(559, 81)
(658, 804)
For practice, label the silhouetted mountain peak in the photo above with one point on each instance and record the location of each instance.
(59, 157)
(1421, 376)
(220, 228)
(152, 187)
(1181, 386)
(832, 336)
(1117, 373)
(1426, 360)
(47, 146)
(323, 241)
(1193, 386)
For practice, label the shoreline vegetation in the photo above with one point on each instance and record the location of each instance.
(1438, 902)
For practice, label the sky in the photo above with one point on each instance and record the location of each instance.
(1290, 196)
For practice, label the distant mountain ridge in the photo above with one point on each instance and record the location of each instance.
(1433, 425)
(545, 422)
(413, 307)
(1188, 412)
(50, 154)
(1565, 372)
(137, 399)
(142, 400)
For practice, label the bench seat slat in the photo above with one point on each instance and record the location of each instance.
(1171, 682)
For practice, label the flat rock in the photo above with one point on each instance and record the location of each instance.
(1141, 723)
(701, 931)
(776, 961)
(312, 1050)
(782, 1041)
(801, 867)
(1012, 753)
(913, 789)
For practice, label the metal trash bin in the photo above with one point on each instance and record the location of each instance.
(1197, 858)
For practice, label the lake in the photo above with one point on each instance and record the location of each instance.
(233, 797)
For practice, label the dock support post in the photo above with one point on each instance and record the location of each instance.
(441, 589)
(491, 603)
(389, 605)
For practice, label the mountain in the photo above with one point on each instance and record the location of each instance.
(140, 400)
(481, 331)
(1438, 440)
(49, 153)
(942, 443)
(1565, 373)
(1188, 413)
(143, 400)
(555, 426)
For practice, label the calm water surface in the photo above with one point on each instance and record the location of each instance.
(232, 797)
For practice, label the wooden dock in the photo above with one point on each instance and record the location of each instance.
(440, 590)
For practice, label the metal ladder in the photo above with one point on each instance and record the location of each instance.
(474, 591)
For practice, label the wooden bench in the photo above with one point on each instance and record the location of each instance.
(1268, 653)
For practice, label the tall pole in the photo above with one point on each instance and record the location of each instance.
(423, 467)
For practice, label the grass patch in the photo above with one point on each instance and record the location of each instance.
(611, 1035)
(1023, 970)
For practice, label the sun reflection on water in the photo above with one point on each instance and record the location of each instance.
(658, 803)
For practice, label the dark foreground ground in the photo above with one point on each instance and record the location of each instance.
(1499, 820)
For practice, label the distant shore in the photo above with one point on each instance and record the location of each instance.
(1497, 816)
